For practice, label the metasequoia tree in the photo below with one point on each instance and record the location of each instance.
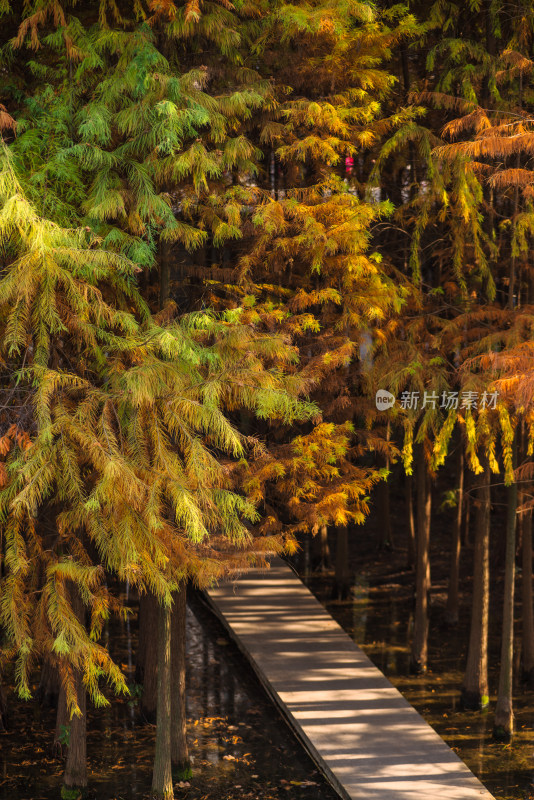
(298, 257)
(149, 138)
(527, 604)
(475, 692)
(420, 379)
(158, 133)
(464, 210)
(453, 592)
(504, 716)
(116, 445)
(120, 160)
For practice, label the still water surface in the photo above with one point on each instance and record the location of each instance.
(242, 748)
(379, 618)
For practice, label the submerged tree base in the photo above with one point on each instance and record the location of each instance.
(182, 772)
(73, 792)
(502, 734)
(473, 701)
(417, 667)
(167, 794)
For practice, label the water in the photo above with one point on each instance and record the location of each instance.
(379, 618)
(241, 747)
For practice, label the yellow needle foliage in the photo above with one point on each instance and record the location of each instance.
(119, 455)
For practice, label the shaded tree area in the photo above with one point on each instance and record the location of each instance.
(224, 228)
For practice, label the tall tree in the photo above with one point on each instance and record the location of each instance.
(112, 441)
(527, 629)
(504, 714)
(452, 610)
(475, 692)
(181, 764)
(419, 653)
(162, 786)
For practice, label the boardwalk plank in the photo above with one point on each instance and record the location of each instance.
(367, 739)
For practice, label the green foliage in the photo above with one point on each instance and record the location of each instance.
(73, 792)
(64, 735)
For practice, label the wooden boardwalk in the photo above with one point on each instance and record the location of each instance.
(367, 739)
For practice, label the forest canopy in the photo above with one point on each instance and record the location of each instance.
(224, 228)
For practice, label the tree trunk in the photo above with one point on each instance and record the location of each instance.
(48, 692)
(419, 655)
(512, 272)
(325, 549)
(467, 510)
(3, 708)
(410, 562)
(503, 727)
(162, 775)
(342, 572)
(475, 684)
(320, 549)
(526, 587)
(75, 777)
(148, 637)
(452, 608)
(181, 765)
(164, 273)
(142, 629)
(62, 723)
(383, 508)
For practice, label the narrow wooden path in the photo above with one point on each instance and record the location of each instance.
(367, 739)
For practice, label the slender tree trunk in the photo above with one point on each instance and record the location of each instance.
(512, 277)
(142, 629)
(407, 86)
(179, 753)
(325, 549)
(410, 563)
(452, 609)
(320, 548)
(162, 775)
(383, 508)
(419, 655)
(526, 598)
(75, 777)
(164, 273)
(475, 685)
(342, 572)
(467, 510)
(3, 708)
(503, 727)
(62, 723)
(148, 637)
(491, 47)
(48, 692)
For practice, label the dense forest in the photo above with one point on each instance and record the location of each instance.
(260, 262)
